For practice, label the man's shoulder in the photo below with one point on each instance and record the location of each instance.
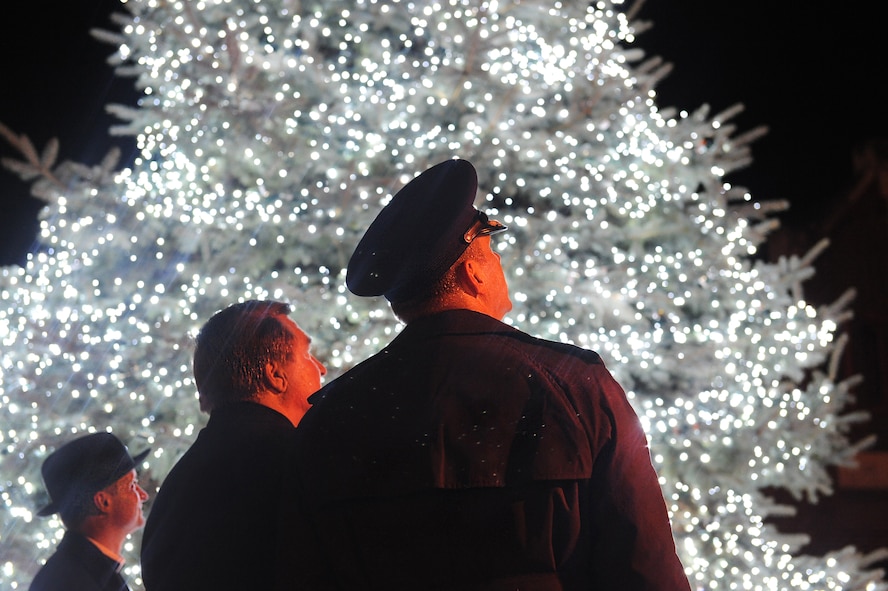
(58, 568)
(485, 327)
(76, 564)
(223, 446)
(481, 339)
(556, 347)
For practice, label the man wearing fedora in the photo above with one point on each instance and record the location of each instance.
(93, 486)
(467, 454)
(212, 525)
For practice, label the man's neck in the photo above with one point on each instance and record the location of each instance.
(106, 539)
(110, 553)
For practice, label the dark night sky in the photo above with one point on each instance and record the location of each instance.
(815, 76)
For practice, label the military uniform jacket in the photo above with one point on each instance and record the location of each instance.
(213, 523)
(78, 564)
(470, 455)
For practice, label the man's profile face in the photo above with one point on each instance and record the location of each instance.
(303, 369)
(497, 294)
(126, 498)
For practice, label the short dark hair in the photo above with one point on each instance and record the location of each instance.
(80, 506)
(430, 300)
(233, 347)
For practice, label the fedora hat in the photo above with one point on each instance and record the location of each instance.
(85, 465)
(420, 233)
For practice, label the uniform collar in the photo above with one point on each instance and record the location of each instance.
(453, 322)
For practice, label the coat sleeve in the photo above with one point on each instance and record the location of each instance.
(633, 545)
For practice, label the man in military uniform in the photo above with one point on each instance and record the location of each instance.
(467, 454)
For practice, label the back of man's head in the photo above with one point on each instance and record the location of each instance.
(233, 347)
(413, 241)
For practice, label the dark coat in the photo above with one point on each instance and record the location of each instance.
(469, 455)
(212, 524)
(79, 564)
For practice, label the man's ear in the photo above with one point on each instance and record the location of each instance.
(470, 277)
(102, 501)
(275, 377)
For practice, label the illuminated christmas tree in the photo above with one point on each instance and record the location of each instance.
(270, 134)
